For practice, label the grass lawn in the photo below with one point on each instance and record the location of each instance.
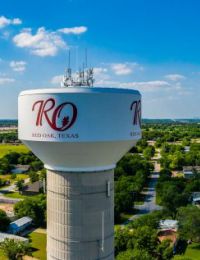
(6, 148)
(158, 200)
(2, 257)
(192, 253)
(16, 195)
(21, 176)
(39, 245)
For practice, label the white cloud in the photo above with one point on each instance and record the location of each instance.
(140, 85)
(175, 77)
(99, 70)
(74, 30)
(121, 69)
(16, 21)
(6, 80)
(6, 21)
(5, 35)
(43, 43)
(18, 66)
(125, 68)
(147, 84)
(57, 79)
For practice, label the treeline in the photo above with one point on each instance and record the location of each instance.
(139, 240)
(13, 158)
(174, 157)
(131, 175)
(9, 137)
(170, 133)
(175, 192)
(8, 123)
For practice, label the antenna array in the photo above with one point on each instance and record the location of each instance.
(84, 77)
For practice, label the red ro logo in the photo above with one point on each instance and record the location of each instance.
(48, 110)
(136, 107)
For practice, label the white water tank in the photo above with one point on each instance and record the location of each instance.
(80, 134)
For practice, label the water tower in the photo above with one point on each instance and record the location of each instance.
(80, 133)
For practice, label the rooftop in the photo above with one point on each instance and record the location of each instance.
(168, 224)
(191, 168)
(34, 187)
(3, 236)
(21, 221)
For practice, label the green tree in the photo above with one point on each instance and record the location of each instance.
(149, 152)
(14, 249)
(20, 185)
(189, 222)
(145, 239)
(33, 176)
(35, 208)
(4, 221)
(135, 254)
(36, 165)
(122, 237)
(164, 250)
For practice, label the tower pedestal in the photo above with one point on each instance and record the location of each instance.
(80, 215)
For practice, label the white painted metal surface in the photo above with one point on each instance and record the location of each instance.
(80, 129)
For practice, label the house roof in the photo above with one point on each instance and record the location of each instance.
(20, 222)
(18, 168)
(191, 168)
(34, 187)
(168, 224)
(3, 236)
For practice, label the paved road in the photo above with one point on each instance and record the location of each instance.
(150, 196)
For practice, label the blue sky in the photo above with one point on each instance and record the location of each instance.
(152, 46)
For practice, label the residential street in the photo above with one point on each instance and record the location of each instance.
(150, 196)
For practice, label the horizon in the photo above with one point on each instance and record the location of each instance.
(195, 118)
(149, 46)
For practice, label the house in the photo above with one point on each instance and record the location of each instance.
(167, 235)
(186, 149)
(168, 224)
(33, 188)
(189, 171)
(20, 225)
(196, 198)
(3, 236)
(20, 168)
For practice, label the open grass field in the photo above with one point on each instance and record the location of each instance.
(6, 148)
(38, 243)
(192, 253)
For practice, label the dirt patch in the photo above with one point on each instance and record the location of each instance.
(8, 208)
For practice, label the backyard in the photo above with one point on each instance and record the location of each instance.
(192, 253)
(6, 148)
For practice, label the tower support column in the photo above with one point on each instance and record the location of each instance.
(80, 215)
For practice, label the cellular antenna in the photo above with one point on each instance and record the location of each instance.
(86, 57)
(85, 77)
(69, 59)
(67, 78)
